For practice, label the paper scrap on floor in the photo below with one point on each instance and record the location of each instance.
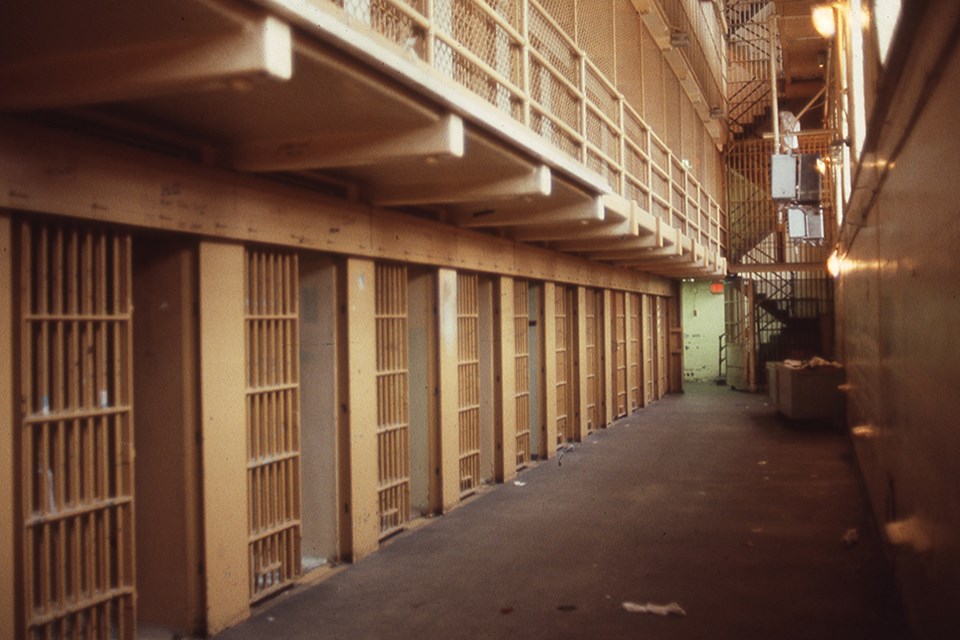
(657, 609)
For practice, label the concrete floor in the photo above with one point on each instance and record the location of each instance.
(706, 499)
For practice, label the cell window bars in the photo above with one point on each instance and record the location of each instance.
(649, 349)
(468, 380)
(563, 355)
(633, 349)
(620, 352)
(662, 351)
(393, 398)
(76, 432)
(592, 362)
(521, 322)
(273, 420)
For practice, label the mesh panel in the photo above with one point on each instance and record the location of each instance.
(673, 94)
(605, 137)
(562, 12)
(653, 70)
(636, 165)
(602, 96)
(660, 183)
(498, 51)
(552, 44)
(635, 130)
(629, 41)
(633, 190)
(602, 166)
(595, 33)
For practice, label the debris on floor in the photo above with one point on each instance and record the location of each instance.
(656, 609)
(851, 537)
(567, 608)
(518, 483)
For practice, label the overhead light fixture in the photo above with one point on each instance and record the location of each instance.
(824, 21)
(833, 264)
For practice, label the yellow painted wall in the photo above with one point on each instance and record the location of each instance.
(449, 391)
(898, 301)
(359, 441)
(223, 431)
(167, 479)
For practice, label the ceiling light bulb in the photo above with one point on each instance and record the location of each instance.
(823, 20)
(833, 264)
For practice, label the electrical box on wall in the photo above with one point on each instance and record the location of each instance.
(783, 177)
(804, 223)
(808, 183)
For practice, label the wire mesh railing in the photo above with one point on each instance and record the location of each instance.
(523, 57)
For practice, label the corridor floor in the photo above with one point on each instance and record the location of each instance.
(707, 499)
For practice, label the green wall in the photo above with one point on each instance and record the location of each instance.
(702, 326)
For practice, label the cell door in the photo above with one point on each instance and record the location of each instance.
(273, 420)
(393, 398)
(593, 359)
(634, 352)
(468, 380)
(648, 312)
(619, 348)
(663, 351)
(76, 432)
(521, 336)
(564, 326)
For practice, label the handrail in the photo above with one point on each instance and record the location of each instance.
(701, 217)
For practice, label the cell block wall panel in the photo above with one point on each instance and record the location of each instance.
(393, 398)
(76, 432)
(634, 351)
(564, 358)
(468, 380)
(521, 322)
(273, 420)
(619, 349)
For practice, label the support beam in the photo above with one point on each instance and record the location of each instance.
(448, 389)
(223, 381)
(773, 267)
(615, 231)
(441, 139)
(684, 259)
(599, 245)
(8, 551)
(635, 254)
(586, 212)
(533, 184)
(616, 208)
(116, 72)
(358, 426)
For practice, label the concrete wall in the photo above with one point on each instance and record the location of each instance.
(318, 410)
(702, 324)
(898, 304)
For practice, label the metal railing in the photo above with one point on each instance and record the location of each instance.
(514, 55)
